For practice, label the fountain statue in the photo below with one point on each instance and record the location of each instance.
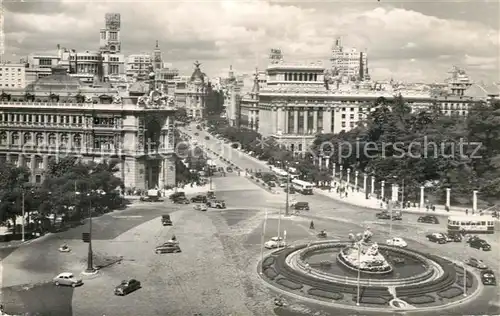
(363, 254)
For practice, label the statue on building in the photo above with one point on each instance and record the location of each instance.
(117, 99)
(88, 99)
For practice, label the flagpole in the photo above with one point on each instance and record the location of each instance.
(262, 243)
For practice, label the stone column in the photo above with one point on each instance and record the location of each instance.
(382, 189)
(286, 131)
(45, 159)
(474, 201)
(334, 167)
(356, 173)
(348, 176)
(373, 185)
(320, 162)
(315, 120)
(422, 201)
(21, 160)
(341, 175)
(280, 120)
(327, 163)
(305, 122)
(295, 121)
(365, 176)
(395, 192)
(448, 191)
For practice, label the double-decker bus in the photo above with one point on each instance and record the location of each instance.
(471, 224)
(303, 187)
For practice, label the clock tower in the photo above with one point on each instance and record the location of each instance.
(110, 41)
(157, 60)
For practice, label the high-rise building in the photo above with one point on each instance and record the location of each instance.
(157, 58)
(12, 75)
(110, 35)
(191, 94)
(349, 62)
(275, 56)
(138, 65)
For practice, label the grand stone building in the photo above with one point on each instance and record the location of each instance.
(57, 116)
(192, 94)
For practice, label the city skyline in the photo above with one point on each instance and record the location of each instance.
(405, 40)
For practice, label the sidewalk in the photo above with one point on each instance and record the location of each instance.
(359, 199)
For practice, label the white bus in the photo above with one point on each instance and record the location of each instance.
(471, 224)
(303, 187)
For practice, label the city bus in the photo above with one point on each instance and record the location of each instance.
(303, 187)
(471, 224)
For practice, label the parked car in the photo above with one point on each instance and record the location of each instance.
(67, 278)
(181, 200)
(455, 237)
(216, 204)
(207, 138)
(127, 286)
(479, 243)
(437, 238)
(177, 195)
(166, 221)
(301, 206)
(488, 277)
(476, 263)
(196, 134)
(386, 215)
(200, 207)
(397, 242)
(199, 199)
(211, 195)
(229, 169)
(168, 247)
(428, 219)
(275, 242)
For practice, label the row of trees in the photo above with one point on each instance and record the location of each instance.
(70, 189)
(397, 145)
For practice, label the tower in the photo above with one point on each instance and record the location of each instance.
(157, 58)
(110, 41)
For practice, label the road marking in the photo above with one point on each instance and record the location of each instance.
(130, 216)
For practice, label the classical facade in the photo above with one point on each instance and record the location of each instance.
(192, 93)
(297, 103)
(59, 116)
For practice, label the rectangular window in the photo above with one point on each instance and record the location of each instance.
(113, 36)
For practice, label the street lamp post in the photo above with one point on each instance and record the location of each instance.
(90, 259)
(359, 274)
(23, 215)
(287, 205)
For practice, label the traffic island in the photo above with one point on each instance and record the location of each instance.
(300, 272)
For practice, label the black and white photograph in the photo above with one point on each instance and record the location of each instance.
(249, 157)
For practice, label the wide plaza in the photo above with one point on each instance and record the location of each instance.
(217, 271)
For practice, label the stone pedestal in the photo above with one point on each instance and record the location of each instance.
(382, 189)
(334, 167)
(341, 175)
(448, 191)
(373, 185)
(327, 163)
(422, 200)
(474, 200)
(320, 162)
(395, 193)
(348, 175)
(365, 177)
(356, 174)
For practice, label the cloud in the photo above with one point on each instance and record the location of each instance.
(220, 33)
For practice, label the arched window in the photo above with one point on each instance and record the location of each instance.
(64, 138)
(27, 137)
(15, 138)
(39, 139)
(3, 138)
(52, 139)
(311, 77)
(77, 140)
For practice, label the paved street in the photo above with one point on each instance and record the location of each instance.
(215, 273)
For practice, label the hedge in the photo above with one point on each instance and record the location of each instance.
(460, 280)
(450, 293)
(268, 261)
(377, 300)
(270, 273)
(330, 295)
(289, 284)
(421, 299)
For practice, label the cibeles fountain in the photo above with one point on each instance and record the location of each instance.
(364, 255)
(360, 272)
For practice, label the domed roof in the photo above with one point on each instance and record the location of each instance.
(197, 74)
(59, 80)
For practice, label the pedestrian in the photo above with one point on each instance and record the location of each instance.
(466, 211)
(311, 226)
(352, 189)
(346, 194)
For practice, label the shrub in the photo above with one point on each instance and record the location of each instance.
(450, 293)
(270, 273)
(376, 300)
(421, 299)
(330, 295)
(267, 262)
(289, 284)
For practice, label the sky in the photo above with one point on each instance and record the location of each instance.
(406, 40)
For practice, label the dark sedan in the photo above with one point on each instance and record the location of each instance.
(488, 277)
(199, 199)
(181, 200)
(387, 215)
(480, 244)
(437, 238)
(127, 287)
(428, 219)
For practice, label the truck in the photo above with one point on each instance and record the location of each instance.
(153, 195)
